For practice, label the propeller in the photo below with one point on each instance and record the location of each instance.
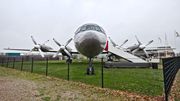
(37, 46)
(142, 47)
(62, 48)
(115, 45)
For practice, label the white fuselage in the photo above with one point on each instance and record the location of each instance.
(90, 42)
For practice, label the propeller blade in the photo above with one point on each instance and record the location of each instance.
(45, 42)
(56, 42)
(138, 41)
(134, 51)
(149, 42)
(31, 51)
(68, 42)
(33, 40)
(124, 42)
(114, 44)
(56, 53)
(67, 52)
(146, 53)
(41, 52)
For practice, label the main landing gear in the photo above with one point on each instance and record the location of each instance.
(90, 69)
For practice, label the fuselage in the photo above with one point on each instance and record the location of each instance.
(90, 40)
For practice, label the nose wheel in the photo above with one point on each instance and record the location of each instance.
(90, 69)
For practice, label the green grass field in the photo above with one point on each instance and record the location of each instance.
(145, 81)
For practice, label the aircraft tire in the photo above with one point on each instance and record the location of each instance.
(92, 71)
(87, 71)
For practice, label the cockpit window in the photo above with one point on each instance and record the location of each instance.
(98, 28)
(90, 27)
(102, 30)
(83, 28)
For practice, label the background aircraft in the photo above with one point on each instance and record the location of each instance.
(139, 47)
(37, 47)
(110, 55)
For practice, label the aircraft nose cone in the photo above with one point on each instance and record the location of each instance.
(90, 43)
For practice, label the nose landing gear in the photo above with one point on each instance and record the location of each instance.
(90, 69)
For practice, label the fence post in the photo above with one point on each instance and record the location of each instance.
(13, 62)
(22, 64)
(46, 66)
(102, 70)
(32, 66)
(7, 61)
(2, 61)
(68, 67)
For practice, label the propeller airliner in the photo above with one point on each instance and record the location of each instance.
(89, 39)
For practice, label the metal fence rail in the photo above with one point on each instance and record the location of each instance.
(170, 69)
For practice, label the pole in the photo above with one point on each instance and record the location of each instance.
(2, 61)
(22, 64)
(46, 66)
(102, 70)
(13, 62)
(32, 66)
(68, 67)
(7, 62)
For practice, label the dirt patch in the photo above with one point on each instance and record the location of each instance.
(16, 89)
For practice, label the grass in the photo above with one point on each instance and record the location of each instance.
(145, 81)
(48, 88)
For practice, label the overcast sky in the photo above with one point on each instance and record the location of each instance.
(121, 19)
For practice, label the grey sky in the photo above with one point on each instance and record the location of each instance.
(121, 19)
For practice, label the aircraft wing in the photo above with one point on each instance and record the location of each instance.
(74, 52)
(156, 48)
(17, 49)
(24, 49)
(105, 52)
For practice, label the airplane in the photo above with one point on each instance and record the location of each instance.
(64, 49)
(109, 55)
(37, 47)
(90, 40)
(137, 47)
(117, 46)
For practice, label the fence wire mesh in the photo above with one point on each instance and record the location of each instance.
(144, 81)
